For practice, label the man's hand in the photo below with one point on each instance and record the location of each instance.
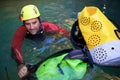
(23, 71)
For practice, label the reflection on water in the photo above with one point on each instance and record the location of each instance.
(61, 12)
(35, 51)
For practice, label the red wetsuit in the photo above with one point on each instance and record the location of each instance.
(21, 33)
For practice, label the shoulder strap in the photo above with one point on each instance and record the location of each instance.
(82, 54)
(117, 32)
(76, 36)
(75, 54)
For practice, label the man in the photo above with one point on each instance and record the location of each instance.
(32, 28)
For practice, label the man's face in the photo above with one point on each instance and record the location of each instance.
(32, 25)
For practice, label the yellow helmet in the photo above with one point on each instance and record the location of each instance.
(29, 12)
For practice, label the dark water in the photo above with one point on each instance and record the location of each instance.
(61, 12)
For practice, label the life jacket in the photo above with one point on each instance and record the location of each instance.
(101, 36)
(64, 65)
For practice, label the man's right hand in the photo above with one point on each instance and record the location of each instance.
(23, 71)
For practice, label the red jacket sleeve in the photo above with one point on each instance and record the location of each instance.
(17, 42)
(55, 29)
